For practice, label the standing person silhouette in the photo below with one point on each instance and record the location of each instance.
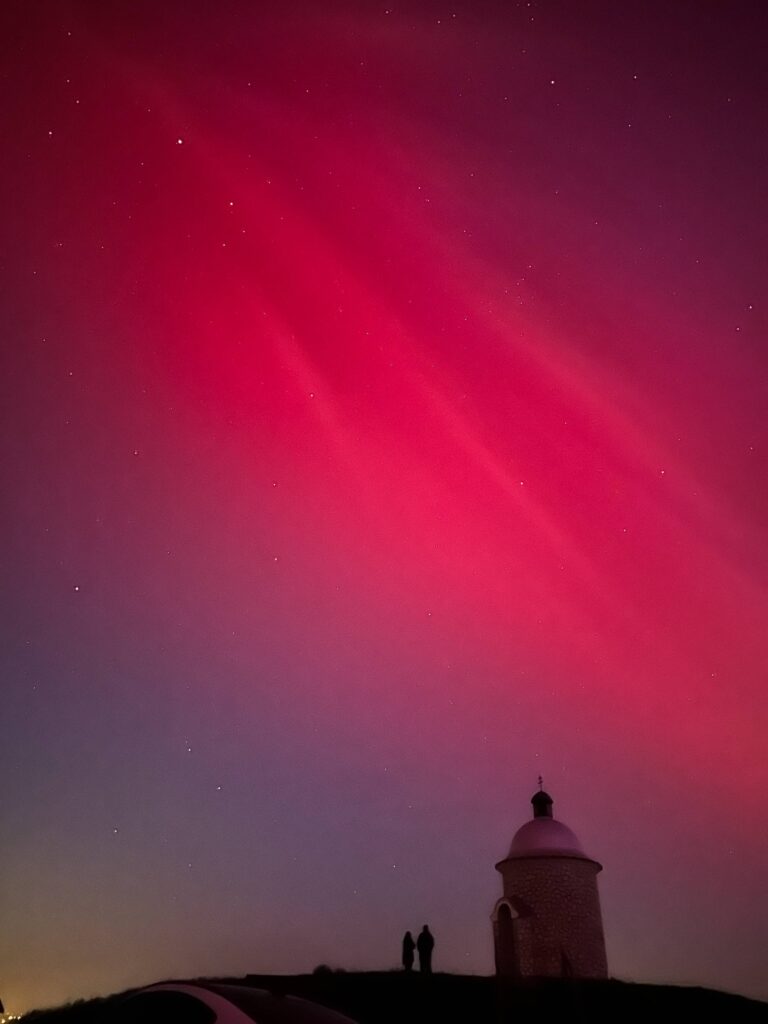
(408, 947)
(425, 944)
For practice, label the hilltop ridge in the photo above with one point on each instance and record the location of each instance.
(393, 997)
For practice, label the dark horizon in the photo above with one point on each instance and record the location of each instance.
(378, 997)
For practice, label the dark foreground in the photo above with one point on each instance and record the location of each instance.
(397, 998)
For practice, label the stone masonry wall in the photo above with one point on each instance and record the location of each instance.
(559, 929)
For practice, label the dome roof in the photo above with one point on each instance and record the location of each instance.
(545, 837)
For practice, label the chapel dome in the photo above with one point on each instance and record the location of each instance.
(545, 837)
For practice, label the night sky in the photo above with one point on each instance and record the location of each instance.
(384, 423)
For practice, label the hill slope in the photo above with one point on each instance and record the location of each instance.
(397, 998)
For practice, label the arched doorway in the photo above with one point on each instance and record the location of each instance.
(505, 925)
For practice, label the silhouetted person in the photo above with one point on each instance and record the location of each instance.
(425, 944)
(408, 947)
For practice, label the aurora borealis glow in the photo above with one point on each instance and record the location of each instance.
(384, 398)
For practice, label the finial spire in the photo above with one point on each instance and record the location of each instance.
(541, 784)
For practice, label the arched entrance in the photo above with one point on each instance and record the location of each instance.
(505, 939)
